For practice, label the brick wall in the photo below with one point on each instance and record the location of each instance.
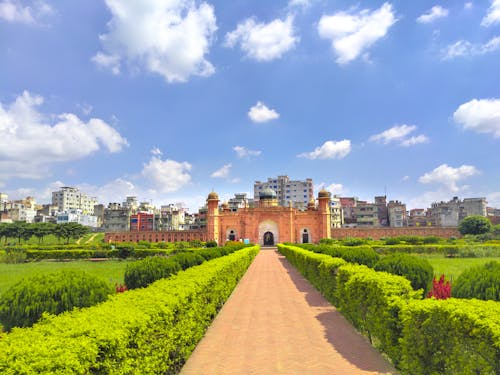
(377, 233)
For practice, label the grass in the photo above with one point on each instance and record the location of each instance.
(453, 267)
(89, 238)
(112, 271)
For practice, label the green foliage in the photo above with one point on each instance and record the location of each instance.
(211, 243)
(12, 256)
(481, 282)
(451, 337)
(353, 254)
(474, 224)
(392, 241)
(354, 241)
(145, 331)
(141, 273)
(431, 240)
(418, 270)
(24, 303)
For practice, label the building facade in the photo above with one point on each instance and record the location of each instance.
(266, 224)
(298, 192)
(397, 214)
(71, 198)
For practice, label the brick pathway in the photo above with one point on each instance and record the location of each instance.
(275, 322)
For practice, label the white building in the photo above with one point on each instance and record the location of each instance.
(4, 198)
(77, 216)
(336, 212)
(70, 198)
(299, 193)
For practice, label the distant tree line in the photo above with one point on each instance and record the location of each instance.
(22, 231)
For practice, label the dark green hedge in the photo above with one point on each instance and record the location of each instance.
(25, 302)
(145, 331)
(353, 254)
(481, 282)
(453, 336)
(422, 337)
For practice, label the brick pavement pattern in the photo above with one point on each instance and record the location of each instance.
(275, 322)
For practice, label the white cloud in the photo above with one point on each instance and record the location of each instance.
(300, 3)
(415, 140)
(243, 152)
(14, 11)
(260, 113)
(482, 116)
(465, 48)
(398, 134)
(169, 38)
(263, 41)
(166, 175)
(448, 176)
(493, 15)
(335, 189)
(156, 151)
(222, 172)
(493, 199)
(433, 14)
(329, 150)
(351, 34)
(405, 178)
(468, 5)
(31, 142)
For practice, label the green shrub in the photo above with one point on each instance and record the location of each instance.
(418, 270)
(431, 239)
(59, 254)
(451, 337)
(24, 303)
(475, 224)
(186, 260)
(13, 256)
(145, 331)
(211, 243)
(481, 282)
(353, 254)
(125, 251)
(372, 302)
(393, 241)
(354, 241)
(141, 273)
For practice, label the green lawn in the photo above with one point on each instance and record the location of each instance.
(112, 271)
(453, 267)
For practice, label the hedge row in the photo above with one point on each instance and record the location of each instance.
(353, 254)
(422, 337)
(461, 251)
(86, 254)
(147, 331)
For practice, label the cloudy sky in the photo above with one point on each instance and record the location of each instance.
(169, 100)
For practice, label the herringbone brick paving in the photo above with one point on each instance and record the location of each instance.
(275, 322)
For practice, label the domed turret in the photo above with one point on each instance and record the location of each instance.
(324, 194)
(213, 196)
(267, 194)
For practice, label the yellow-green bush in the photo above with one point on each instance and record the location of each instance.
(145, 331)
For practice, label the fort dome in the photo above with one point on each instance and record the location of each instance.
(324, 194)
(213, 195)
(267, 194)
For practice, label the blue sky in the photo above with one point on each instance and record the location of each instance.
(168, 100)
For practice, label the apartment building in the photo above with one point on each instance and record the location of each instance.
(71, 198)
(336, 212)
(397, 214)
(366, 214)
(297, 192)
(348, 205)
(116, 218)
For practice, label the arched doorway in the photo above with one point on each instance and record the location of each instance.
(268, 239)
(305, 236)
(268, 233)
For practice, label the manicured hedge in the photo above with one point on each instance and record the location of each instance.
(453, 336)
(146, 331)
(461, 251)
(422, 337)
(481, 282)
(353, 254)
(25, 302)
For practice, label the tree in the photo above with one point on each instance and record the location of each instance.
(474, 224)
(40, 230)
(70, 230)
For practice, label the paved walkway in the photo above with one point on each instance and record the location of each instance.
(275, 322)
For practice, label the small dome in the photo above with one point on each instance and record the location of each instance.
(213, 195)
(324, 194)
(311, 203)
(267, 194)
